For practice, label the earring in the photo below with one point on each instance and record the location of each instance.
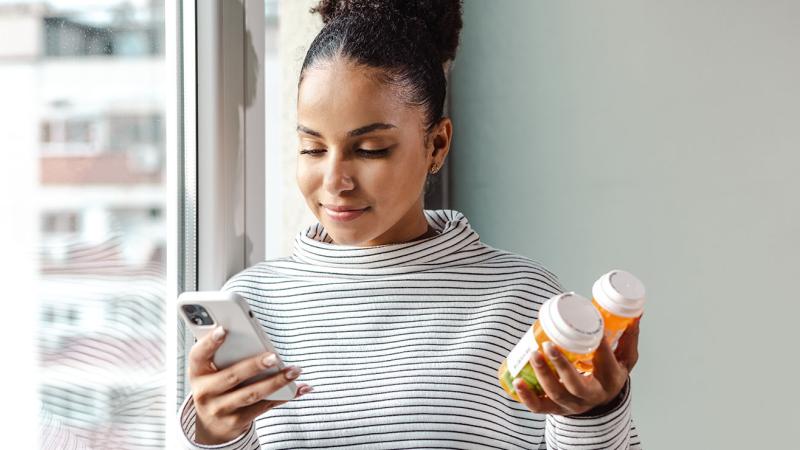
(434, 169)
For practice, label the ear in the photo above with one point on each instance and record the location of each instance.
(441, 137)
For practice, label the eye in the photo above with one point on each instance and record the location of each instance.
(373, 153)
(312, 151)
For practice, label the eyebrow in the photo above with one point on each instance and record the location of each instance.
(352, 133)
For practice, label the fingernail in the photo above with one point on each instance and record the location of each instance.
(537, 359)
(550, 349)
(293, 372)
(305, 390)
(270, 360)
(218, 334)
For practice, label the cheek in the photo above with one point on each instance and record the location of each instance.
(307, 180)
(400, 183)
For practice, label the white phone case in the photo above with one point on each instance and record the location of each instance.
(245, 337)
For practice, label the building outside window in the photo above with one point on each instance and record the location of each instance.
(93, 87)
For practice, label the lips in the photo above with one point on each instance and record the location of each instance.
(343, 213)
(343, 208)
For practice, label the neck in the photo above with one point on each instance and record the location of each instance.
(411, 227)
(430, 232)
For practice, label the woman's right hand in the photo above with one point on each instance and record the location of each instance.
(224, 412)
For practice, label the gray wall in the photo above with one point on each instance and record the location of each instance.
(664, 138)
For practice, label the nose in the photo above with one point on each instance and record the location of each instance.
(338, 177)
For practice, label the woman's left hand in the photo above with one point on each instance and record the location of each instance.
(567, 391)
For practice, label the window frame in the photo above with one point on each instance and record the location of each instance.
(215, 159)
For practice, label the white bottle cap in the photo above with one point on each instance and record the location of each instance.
(620, 293)
(572, 323)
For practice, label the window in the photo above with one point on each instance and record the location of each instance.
(85, 110)
(121, 29)
(136, 132)
(126, 130)
(74, 135)
(82, 85)
(57, 223)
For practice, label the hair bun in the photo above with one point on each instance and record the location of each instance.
(440, 18)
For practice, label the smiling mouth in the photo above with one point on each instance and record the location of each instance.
(343, 214)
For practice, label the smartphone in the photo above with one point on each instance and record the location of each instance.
(204, 310)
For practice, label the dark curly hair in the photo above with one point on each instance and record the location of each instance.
(409, 40)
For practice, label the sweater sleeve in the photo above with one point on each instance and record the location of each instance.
(248, 440)
(613, 429)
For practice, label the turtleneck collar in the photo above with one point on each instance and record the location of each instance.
(314, 246)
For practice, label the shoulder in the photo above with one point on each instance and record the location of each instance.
(258, 276)
(526, 269)
(517, 284)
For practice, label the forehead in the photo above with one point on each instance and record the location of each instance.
(341, 96)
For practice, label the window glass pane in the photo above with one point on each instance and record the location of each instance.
(94, 70)
(279, 222)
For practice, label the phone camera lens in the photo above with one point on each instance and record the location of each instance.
(197, 320)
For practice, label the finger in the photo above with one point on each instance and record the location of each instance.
(253, 393)
(249, 413)
(201, 356)
(627, 352)
(571, 379)
(550, 384)
(303, 389)
(229, 378)
(607, 370)
(535, 403)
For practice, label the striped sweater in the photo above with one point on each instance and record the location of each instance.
(402, 344)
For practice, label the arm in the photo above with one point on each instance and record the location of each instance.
(247, 440)
(586, 412)
(608, 427)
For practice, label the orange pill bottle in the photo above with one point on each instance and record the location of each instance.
(569, 321)
(619, 296)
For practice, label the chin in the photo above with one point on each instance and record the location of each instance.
(344, 236)
(349, 234)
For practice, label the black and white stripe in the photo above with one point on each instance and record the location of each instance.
(402, 344)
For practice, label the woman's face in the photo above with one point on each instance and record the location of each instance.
(364, 155)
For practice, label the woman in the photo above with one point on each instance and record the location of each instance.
(399, 316)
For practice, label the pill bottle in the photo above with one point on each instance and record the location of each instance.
(619, 296)
(570, 322)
